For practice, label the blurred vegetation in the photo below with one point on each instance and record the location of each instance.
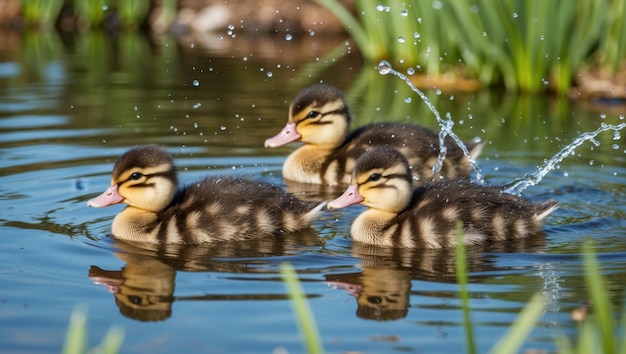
(524, 45)
(76, 339)
(527, 45)
(127, 14)
(599, 332)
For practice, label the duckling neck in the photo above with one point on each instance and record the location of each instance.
(311, 164)
(371, 227)
(134, 224)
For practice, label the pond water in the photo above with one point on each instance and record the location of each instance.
(70, 106)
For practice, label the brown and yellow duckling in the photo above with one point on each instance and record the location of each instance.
(320, 118)
(401, 215)
(216, 208)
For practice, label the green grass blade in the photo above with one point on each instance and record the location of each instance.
(598, 291)
(304, 316)
(515, 336)
(76, 337)
(462, 279)
(354, 28)
(112, 342)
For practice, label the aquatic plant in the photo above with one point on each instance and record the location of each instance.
(527, 45)
(76, 337)
(93, 13)
(304, 316)
(41, 12)
(597, 332)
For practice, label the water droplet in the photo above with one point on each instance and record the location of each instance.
(616, 135)
(407, 100)
(196, 83)
(404, 13)
(541, 37)
(288, 37)
(384, 67)
(515, 15)
(222, 128)
(231, 27)
(615, 146)
(269, 74)
(401, 39)
(419, 20)
(437, 5)
(220, 37)
(380, 7)
(197, 105)
(410, 71)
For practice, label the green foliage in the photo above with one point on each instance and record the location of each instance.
(41, 12)
(599, 332)
(304, 316)
(92, 13)
(527, 45)
(76, 340)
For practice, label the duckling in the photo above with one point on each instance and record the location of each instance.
(320, 118)
(401, 215)
(217, 208)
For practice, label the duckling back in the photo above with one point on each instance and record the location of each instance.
(217, 208)
(485, 213)
(224, 208)
(400, 215)
(319, 117)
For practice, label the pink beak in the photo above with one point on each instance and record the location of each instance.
(286, 136)
(109, 197)
(350, 197)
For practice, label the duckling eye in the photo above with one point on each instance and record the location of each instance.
(135, 176)
(313, 114)
(374, 177)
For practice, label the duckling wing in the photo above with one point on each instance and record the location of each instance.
(224, 208)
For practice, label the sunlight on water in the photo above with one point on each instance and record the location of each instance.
(384, 68)
(517, 186)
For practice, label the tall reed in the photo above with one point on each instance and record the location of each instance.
(527, 45)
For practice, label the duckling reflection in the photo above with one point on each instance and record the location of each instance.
(144, 288)
(383, 287)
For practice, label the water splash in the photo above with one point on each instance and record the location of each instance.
(384, 68)
(518, 185)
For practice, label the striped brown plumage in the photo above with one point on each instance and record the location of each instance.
(400, 215)
(319, 117)
(215, 208)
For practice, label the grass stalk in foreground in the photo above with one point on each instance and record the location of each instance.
(76, 339)
(304, 316)
(461, 278)
(514, 338)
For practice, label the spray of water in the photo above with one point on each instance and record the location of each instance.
(384, 68)
(518, 185)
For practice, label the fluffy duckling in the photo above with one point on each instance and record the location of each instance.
(217, 208)
(320, 118)
(400, 215)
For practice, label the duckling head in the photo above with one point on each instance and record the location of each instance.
(144, 177)
(318, 115)
(381, 180)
